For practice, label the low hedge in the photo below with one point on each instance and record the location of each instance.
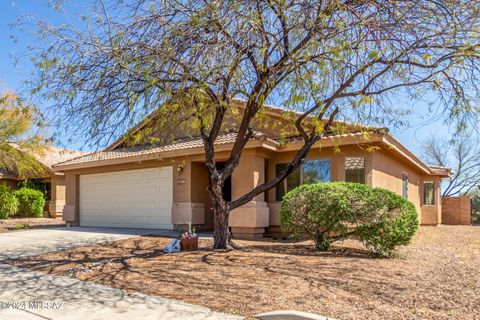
(321, 211)
(8, 202)
(328, 212)
(31, 202)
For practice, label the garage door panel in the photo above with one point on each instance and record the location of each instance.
(129, 199)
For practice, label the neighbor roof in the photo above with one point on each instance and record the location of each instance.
(47, 157)
(54, 155)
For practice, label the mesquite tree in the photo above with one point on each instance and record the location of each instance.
(323, 59)
(461, 153)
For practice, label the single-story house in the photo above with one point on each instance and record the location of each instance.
(165, 185)
(52, 183)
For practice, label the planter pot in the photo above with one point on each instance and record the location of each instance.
(189, 244)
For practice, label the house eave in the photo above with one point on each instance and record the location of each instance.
(395, 145)
(163, 155)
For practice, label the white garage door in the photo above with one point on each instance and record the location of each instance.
(127, 199)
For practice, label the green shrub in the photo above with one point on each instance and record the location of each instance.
(30, 184)
(393, 223)
(31, 202)
(327, 212)
(8, 202)
(324, 212)
(475, 198)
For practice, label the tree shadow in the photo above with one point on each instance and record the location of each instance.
(213, 277)
(242, 280)
(302, 249)
(19, 284)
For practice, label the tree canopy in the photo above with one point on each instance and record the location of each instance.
(325, 59)
(20, 125)
(133, 55)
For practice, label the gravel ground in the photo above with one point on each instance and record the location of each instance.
(16, 224)
(436, 277)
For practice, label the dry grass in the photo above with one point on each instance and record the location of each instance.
(438, 277)
(15, 224)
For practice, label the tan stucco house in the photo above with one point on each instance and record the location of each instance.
(165, 185)
(52, 183)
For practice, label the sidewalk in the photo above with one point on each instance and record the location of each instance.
(33, 295)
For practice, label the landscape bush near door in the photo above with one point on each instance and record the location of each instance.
(328, 212)
(8, 202)
(31, 202)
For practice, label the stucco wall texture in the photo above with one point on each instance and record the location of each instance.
(383, 168)
(456, 210)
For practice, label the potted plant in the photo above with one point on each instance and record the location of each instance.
(189, 239)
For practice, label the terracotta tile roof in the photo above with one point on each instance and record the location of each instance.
(123, 153)
(364, 133)
(138, 151)
(278, 111)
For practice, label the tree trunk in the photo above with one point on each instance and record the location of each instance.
(221, 233)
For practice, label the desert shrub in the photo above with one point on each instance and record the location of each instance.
(324, 212)
(475, 198)
(30, 184)
(392, 223)
(31, 202)
(327, 212)
(8, 202)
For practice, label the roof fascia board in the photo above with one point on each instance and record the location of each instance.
(407, 154)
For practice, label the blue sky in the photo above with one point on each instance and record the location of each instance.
(421, 124)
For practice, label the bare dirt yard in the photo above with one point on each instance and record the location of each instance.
(16, 224)
(436, 277)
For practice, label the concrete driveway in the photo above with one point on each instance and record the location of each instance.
(37, 241)
(26, 294)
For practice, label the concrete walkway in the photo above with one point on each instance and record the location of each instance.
(37, 241)
(33, 295)
(25, 294)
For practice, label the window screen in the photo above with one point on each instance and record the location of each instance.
(405, 185)
(428, 193)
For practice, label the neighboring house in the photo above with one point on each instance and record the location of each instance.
(52, 183)
(162, 186)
